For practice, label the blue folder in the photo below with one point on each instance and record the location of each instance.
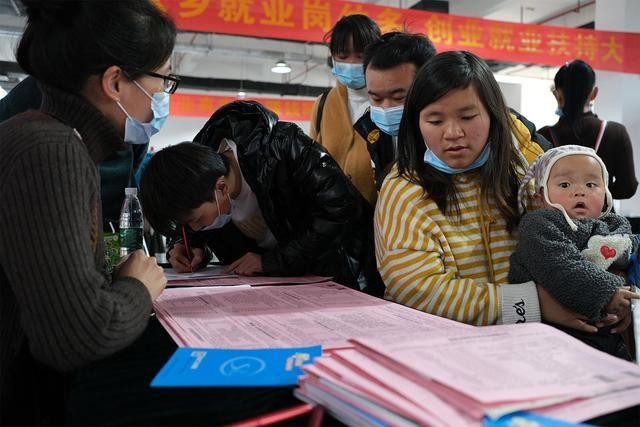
(527, 419)
(205, 367)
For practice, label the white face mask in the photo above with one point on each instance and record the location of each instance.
(222, 219)
(136, 132)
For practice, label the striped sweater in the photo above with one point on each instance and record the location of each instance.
(58, 308)
(451, 266)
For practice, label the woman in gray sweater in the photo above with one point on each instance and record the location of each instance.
(78, 346)
(101, 68)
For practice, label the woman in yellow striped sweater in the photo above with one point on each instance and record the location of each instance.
(446, 214)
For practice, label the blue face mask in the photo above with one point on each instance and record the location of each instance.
(136, 132)
(387, 119)
(350, 75)
(431, 159)
(559, 112)
(222, 219)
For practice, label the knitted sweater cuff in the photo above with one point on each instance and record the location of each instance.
(519, 303)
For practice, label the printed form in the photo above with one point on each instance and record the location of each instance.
(285, 316)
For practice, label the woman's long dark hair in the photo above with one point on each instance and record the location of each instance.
(443, 73)
(576, 80)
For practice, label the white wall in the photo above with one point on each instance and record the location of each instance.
(176, 130)
(531, 97)
(618, 92)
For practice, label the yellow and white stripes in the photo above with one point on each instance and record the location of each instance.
(439, 263)
(449, 265)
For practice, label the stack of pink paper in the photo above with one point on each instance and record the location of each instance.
(247, 281)
(216, 275)
(458, 379)
(324, 313)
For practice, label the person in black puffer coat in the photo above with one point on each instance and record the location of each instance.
(264, 198)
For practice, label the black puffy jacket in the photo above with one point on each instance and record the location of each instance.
(322, 223)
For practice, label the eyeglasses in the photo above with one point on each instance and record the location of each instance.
(169, 83)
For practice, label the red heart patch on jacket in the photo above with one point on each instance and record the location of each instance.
(607, 252)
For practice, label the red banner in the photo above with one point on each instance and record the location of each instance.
(309, 20)
(193, 105)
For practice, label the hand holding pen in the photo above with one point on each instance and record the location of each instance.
(183, 257)
(187, 249)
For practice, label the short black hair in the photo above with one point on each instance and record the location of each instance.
(397, 48)
(177, 180)
(359, 28)
(66, 41)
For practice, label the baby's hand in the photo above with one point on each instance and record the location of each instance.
(621, 300)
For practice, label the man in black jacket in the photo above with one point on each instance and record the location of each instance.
(264, 197)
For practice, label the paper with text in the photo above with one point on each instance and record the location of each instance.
(249, 280)
(209, 272)
(285, 316)
(518, 363)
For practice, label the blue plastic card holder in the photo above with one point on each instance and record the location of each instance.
(203, 367)
(527, 419)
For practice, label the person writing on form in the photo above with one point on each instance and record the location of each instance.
(264, 198)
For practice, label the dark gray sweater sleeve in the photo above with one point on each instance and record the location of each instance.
(70, 311)
(547, 255)
(612, 224)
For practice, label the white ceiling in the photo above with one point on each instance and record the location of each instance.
(249, 59)
(531, 11)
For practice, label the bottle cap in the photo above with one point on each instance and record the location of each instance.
(131, 191)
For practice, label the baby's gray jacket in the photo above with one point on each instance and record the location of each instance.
(549, 253)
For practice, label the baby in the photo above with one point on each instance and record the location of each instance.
(573, 245)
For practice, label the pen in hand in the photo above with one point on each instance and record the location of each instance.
(186, 246)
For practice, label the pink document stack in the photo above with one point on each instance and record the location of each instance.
(323, 313)
(457, 379)
(386, 363)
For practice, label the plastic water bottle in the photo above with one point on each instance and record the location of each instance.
(131, 223)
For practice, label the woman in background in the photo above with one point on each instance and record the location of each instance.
(575, 91)
(336, 111)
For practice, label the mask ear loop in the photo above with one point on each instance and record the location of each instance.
(143, 90)
(228, 148)
(124, 111)
(215, 194)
